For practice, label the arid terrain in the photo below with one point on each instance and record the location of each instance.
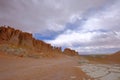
(62, 68)
(101, 71)
(22, 57)
(58, 68)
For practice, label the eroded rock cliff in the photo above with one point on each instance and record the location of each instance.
(23, 40)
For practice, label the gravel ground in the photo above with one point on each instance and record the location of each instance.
(102, 71)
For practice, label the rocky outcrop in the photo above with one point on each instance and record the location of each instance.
(25, 40)
(15, 37)
(70, 52)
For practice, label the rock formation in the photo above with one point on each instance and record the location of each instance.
(23, 40)
(70, 52)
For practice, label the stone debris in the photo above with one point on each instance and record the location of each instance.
(102, 71)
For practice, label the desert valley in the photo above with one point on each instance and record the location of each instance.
(59, 40)
(22, 57)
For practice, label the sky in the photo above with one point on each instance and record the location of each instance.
(87, 26)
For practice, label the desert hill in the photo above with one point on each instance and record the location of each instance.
(111, 58)
(16, 42)
(114, 57)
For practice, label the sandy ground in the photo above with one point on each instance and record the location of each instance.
(64, 68)
(100, 71)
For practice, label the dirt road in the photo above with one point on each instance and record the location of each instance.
(14, 68)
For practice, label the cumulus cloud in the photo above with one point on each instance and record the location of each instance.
(98, 33)
(89, 42)
(107, 19)
(69, 38)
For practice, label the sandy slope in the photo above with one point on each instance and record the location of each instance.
(14, 68)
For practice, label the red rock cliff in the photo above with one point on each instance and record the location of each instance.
(70, 52)
(15, 37)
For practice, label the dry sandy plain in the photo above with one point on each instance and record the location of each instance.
(62, 68)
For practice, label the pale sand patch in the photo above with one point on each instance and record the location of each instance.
(102, 71)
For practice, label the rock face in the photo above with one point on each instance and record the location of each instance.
(15, 37)
(25, 40)
(70, 52)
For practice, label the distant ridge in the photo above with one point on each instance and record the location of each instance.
(114, 57)
(16, 42)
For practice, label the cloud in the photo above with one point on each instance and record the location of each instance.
(69, 38)
(42, 15)
(84, 25)
(107, 19)
(97, 33)
(89, 42)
